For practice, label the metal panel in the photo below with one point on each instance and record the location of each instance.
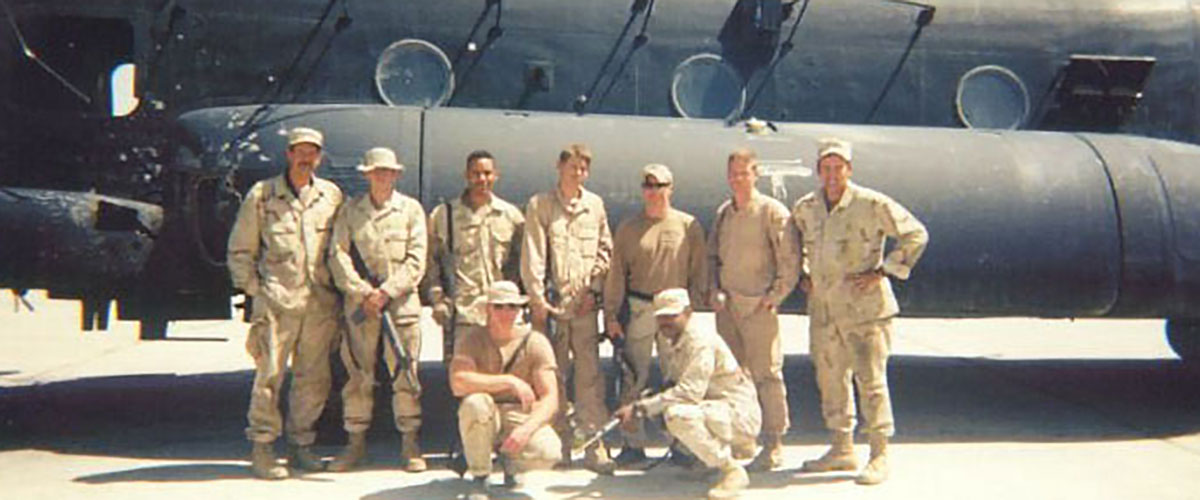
(1021, 223)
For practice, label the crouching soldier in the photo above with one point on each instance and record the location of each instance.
(712, 406)
(506, 374)
(377, 259)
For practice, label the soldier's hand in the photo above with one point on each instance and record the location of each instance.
(806, 285)
(586, 304)
(441, 313)
(766, 304)
(517, 439)
(539, 312)
(375, 302)
(716, 300)
(523, 392)
(627, 416)
(614, 330)
(866, 279)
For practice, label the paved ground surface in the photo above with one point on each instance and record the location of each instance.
(995, 408)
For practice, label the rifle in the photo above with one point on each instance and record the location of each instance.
(449, 283)
(386, 327)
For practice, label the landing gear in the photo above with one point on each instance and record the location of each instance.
(1183, 334)
(152, 329)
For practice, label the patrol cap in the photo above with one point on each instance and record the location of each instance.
(304, 134)
(659, 171)
(671, 301)
(380, 158)
(506, 292)
(831, 146)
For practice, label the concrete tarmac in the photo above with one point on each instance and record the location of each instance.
(986, 409)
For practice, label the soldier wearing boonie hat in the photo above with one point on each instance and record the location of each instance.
(386, 229)
(277, 251)
(851, 304)
(713, 406)
(653, 250)
(506, 374)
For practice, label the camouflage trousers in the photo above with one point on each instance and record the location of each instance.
(484, 425)
(707, 430)
(358, 352)
(305, 338)
(860, 352)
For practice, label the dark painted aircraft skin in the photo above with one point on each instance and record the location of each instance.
(1101, 221)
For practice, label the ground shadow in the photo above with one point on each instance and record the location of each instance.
(936, 399)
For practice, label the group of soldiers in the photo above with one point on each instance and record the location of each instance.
(310, 262)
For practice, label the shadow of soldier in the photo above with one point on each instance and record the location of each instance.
(444, 488)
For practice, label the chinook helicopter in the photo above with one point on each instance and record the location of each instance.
(1048, 146)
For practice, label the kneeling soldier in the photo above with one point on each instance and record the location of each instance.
(377, 259)
(712, 406)
(506, 374)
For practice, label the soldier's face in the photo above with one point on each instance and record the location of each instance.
(741, 174)
(503, 315)
(575, 170)
(303, 159)
(655, 192)
(382, 179)
(835, 173)
(672, 325)
(482, 175)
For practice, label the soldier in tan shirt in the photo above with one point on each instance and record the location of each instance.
(755, 262)
(486, 239)
(653, 250)
(851, 304)
(277, 251)
(711, 407)
(567, 248)
(377, 259)
(506, 375)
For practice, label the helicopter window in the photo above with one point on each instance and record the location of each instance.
(414, 72)
(705, 86)
(124, 99)
(992, 97)
(64, 63)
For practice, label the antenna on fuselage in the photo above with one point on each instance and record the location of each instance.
(635, 9)
(924, 17)
(494, 33)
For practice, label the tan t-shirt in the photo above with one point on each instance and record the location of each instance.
(652, 255)
(536, 355)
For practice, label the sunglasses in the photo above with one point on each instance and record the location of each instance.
(507, 306)
(655, 185)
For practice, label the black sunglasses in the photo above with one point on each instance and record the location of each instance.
(655, 185)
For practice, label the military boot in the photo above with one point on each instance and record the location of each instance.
(631, 458)
(596, 459)
(302, 457)
(263, 464)
(733, 481)
(410, 453)
(876, 470)
(771, 455)
(839, 457)
(355, 453)
(479, 489)
(743, 450)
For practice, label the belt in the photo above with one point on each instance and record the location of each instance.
(648, 297)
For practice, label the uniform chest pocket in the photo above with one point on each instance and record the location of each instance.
(281, 231)
(396, 243)
(502, 231)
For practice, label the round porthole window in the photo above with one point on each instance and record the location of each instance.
(992, 97)
(705, 86)
(414, 73)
